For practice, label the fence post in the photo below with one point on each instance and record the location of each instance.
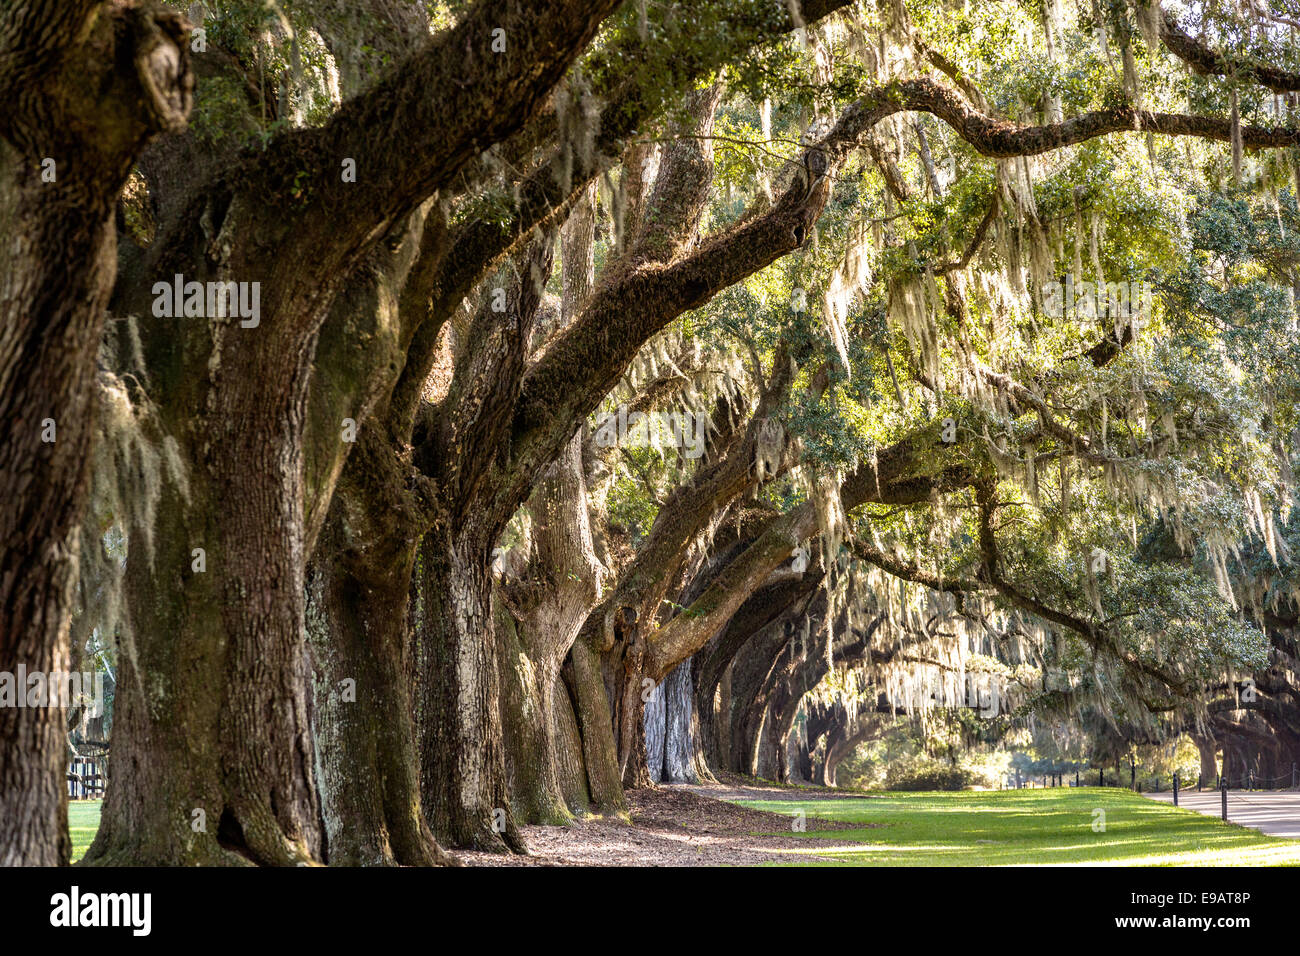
(1175, 788)
(1223, 791)
(1293, 781)
(1076, 775)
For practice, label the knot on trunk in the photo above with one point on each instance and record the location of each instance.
(162, 64)
(769, 449)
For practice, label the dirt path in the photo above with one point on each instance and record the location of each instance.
(675, 825)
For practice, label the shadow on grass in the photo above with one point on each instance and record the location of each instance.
(1087, 825)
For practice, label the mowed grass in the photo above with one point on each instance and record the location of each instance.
(989, 828)
(1028, 827)
(83, 821)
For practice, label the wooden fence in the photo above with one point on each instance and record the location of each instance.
(85, 778)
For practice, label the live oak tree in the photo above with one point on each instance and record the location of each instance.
(86, 86)
(224, 636)
(266, 810)
(473, 446)
(1236, 641)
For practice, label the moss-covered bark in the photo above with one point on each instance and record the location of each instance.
(85, 85)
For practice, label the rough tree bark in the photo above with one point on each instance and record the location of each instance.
(235, 400)
(565, 568)
(480, 245)
(86, 85)
(462, 762)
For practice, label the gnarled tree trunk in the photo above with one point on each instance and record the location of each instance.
(86, 85)
(462, 764)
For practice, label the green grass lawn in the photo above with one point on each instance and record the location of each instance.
(1010, 827)
(992, 828)
(83, 821)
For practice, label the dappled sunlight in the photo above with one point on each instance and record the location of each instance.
(699, 432)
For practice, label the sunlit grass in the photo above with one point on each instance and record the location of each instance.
(1028, 827)
(83, 821)
(992, 828)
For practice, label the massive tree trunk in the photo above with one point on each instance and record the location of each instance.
(824, 770)
(462, 764)
(86, 85)
(653, 725)
(55, 277)
(565, 578)
(679, 752)
(532, 730)
(359, 576)
(801, 754)
(1208, 752)
(713, 709)
(571, 580)
(632, 691)
(670, 736)
(765, 759)
(780, 723)
(600, 754)
(768, 649)
(672, 732)
(224, 771)
(569, 755)
(368, 774)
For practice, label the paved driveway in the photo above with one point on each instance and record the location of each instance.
(1275, 812)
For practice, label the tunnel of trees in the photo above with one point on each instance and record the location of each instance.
(449, 416)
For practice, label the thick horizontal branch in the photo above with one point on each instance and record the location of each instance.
(903, 473)
(407, 137)
(1003, 140)
(545, 195)
(1094, 634)
(909, 571)
(633, 304)
(1208, 62)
